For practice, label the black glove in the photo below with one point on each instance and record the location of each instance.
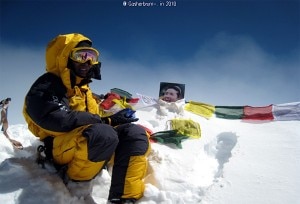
(121, 117)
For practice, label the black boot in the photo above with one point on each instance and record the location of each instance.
(122, 201)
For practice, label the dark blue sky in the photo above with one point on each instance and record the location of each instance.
(145, 33)
(226, 52)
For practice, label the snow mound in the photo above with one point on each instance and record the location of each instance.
(232, 162)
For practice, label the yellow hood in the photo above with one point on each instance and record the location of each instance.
(57, 54)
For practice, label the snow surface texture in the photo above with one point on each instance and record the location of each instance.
(233, 162)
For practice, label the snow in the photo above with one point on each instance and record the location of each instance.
(233, 162)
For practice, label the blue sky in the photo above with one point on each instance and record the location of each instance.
(226, 52)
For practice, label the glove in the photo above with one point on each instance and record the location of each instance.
(121, 117)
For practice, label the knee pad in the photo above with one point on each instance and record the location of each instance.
(102, 141)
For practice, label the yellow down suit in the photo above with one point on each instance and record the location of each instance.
(60, 105)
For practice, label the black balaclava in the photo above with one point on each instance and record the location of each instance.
(84, 43)
(94, 70)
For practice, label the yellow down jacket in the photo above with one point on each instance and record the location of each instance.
(54, 107)
(59, 105)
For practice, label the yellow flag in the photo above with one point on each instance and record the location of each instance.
(186, 127)
(202, 109)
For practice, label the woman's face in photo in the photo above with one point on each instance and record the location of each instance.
(170, 95)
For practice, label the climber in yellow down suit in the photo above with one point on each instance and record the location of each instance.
(62, 111)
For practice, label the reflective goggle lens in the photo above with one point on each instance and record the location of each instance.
(83, 55)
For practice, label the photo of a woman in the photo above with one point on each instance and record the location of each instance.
(171, 92)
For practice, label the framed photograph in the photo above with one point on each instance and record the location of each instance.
(171, 92)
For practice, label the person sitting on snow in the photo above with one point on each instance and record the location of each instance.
(4, 121)
(60, 109)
